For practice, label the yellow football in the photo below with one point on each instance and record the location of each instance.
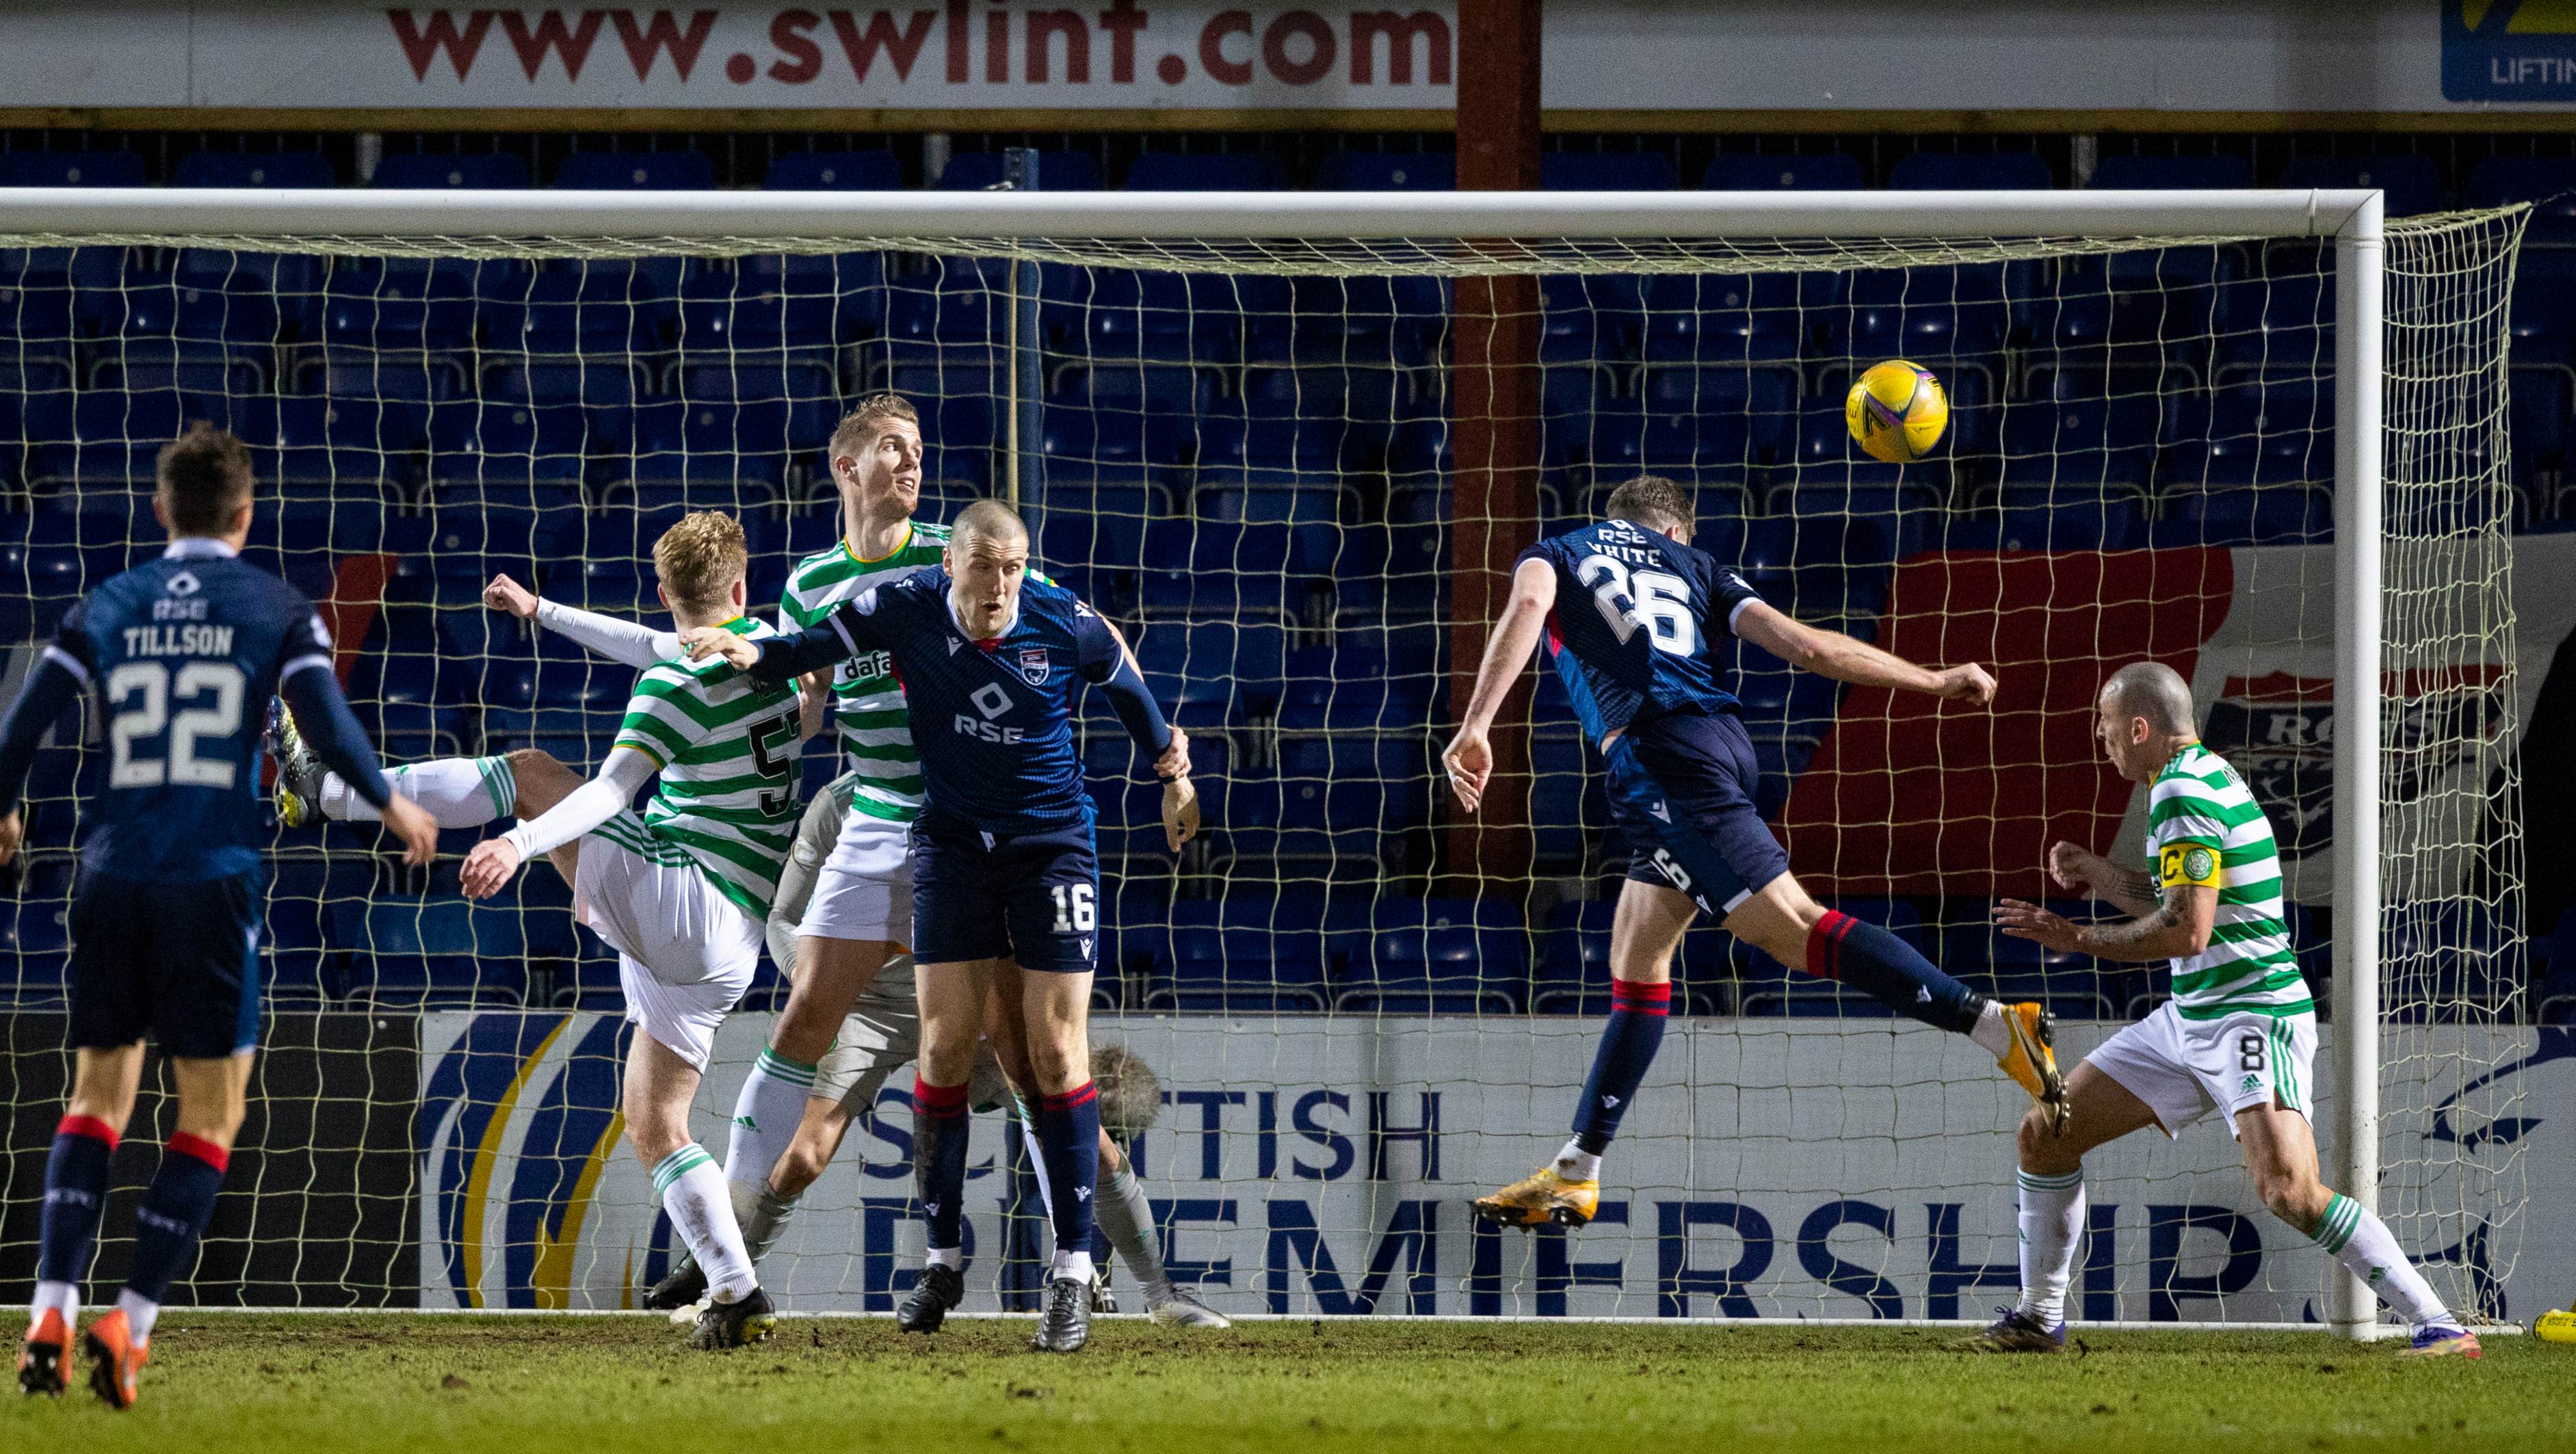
(1896, 411)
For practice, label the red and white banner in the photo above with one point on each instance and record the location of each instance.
(1909, 795)
(1229, 55)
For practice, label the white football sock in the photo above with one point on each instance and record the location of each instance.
(2369, 1251)
(62, 1297)
(1126, 1218)
(1075, 1264)
(765, 1117)
(1990, 1032)
(946, 1257)
(460, 792)
(2052, 1217)
(140, 1314)
(1576, 1164)
(694, 1193)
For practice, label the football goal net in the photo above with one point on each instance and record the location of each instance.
(1293, 444)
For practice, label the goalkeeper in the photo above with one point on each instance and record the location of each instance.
(881, 1035)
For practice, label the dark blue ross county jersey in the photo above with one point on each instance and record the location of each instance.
(182, 654)
(992, 719)
(1636, 621)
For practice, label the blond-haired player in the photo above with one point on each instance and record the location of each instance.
(680, 891)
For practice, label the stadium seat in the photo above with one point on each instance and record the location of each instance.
(1168, 171)
(2280, 514)
(71, 169)
(1970, 171)
(399, 303)
(636, 171)
(432, 952)
(1058, 171)
(1825, 172)
(2101, 445)
(1607, 171)
(1923, 313)
(2259, 436)
(1432, 956)
(1241, 955)
(2072, 986)
(834, 171)
(2549, 183)
(253, 169)
(2411, 180)
(1724, 318)
(1387, 171)
(2129, 173)
(481, 172)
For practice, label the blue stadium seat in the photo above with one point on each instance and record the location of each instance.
(2072, 986)
(1433, 956)
(636, 171)
(1239, 956)
(2549, 183)
(1970, 171)
(253, 169)
(71, 169)
(484, 172)
(432, 952)
(1169, 171)
(1387, 171)
(606, 386)
(498, 441)
(1825, 172)
(582, 305)
(874, 170)
(2279, 514)
(1374, 322)
(2102, 444)
(2279, 327)
(399, 303)
(1607, 171)
(1721, 318)
(2036, 517)
(2129, 173)
(2411, 180)
(2260, 436)
(1923, 313)
(1058, 171)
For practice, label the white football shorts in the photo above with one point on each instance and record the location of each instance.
(685, 952)
(863, 890)
(2185, 1069)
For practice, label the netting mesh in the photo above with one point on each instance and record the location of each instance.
(1363, 1010)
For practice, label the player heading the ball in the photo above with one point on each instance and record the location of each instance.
(178, 653)
(1006, 878)
(2237, 1037)
(1631, 614)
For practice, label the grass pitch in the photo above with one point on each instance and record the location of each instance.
(613, 1385)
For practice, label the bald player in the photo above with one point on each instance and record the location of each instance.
(2236, 1038)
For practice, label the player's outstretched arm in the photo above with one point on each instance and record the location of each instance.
(630, 642)
(1848, 659)
(2178, 928)
(1107, 664)
(489, 867)
(2091, 874)
(1470, 755)
(312, 692)
(840, 635)
(53, 684)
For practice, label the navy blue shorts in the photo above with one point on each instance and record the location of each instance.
(1032, 897)
(177, 962)
(1681, 788)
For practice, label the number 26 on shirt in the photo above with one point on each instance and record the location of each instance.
(1655, 599)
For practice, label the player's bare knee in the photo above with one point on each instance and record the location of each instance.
(2297, 1199)
(805, 1028)
(2043, 1150)
(799, 1166)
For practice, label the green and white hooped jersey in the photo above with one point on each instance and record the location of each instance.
(867, 701)
(727, 754)
(2205, 829)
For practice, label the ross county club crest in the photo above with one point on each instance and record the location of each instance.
(1034, 665)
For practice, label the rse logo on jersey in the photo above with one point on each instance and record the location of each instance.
(2193, 864)
(991, 700)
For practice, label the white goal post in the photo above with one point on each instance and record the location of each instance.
(1463, 234)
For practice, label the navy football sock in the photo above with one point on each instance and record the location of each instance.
(1069, 1141)
(175, 1210)
(1628, 1044)
(1890, 971)
(939, 1158)
(75, 1195)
